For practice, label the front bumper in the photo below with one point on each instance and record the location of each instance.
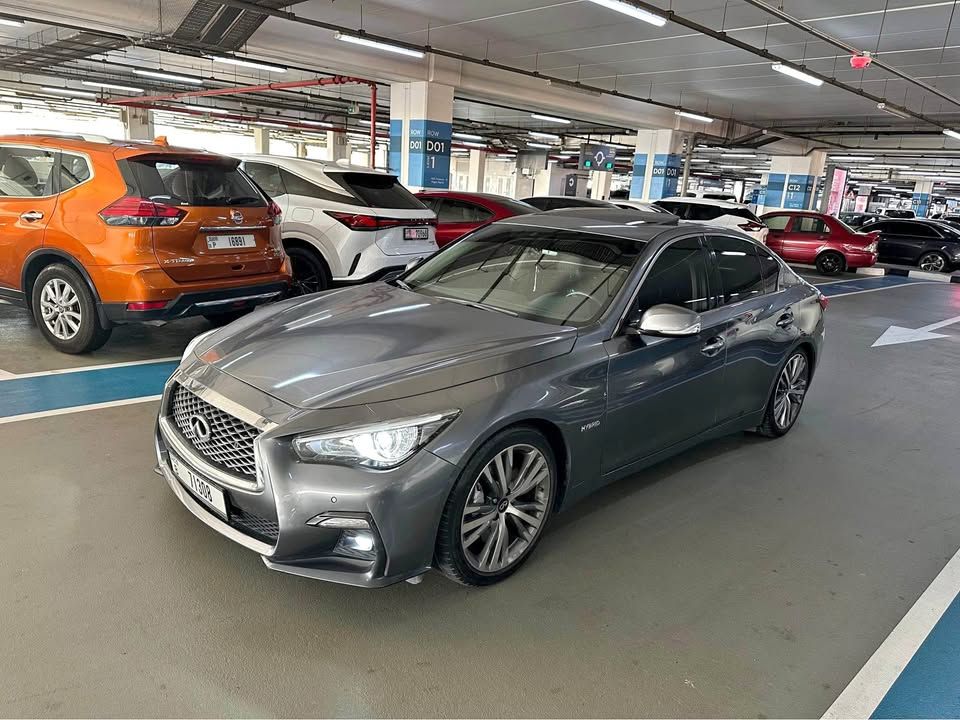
(403, 506)
(206, 302)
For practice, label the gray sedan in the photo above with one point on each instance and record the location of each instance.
(367, 434)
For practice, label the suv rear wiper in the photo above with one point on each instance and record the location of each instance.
(242, 199)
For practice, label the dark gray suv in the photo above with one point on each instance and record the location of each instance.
(367, 434)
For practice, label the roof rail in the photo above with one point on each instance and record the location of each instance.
(103, 139)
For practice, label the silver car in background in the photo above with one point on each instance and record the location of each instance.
(367, 434)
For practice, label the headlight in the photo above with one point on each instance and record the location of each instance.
(380, 446)
(192, 345)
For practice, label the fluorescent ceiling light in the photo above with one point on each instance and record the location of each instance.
(507, 156)
(633, 11)
(466, 136)
(889, 167)
(543, 135)
(68, 91)
(379, 124)
(739, 155)
(893, 110)
(315, 123)
(211, 110)
(851, 158)
(474, 144)
(111, 86)
(12, 22)
(952, 133)
(699, 160)
(796, 74)
(246, 63)
(693, 116)
(161, 75)
(8, 93)
(549, 118)
(732, 167)
(264, 123)
(386, 47)
(539, 145)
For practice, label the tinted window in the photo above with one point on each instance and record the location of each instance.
(741, 213)
(678, 209)
(677, 277)
(807, 224)
(922, 230)
(739, 268)
(554, 276)
(536, 203)
(193, 181)
(450, 210)
(25, 172)
(900, 213)
(515, 206)
(377, 191)
(769, 270)
(266, 176)
(777, 222)
(296, 185)
(74, 169)
(704, 213)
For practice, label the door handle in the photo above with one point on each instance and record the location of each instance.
(785, 320)
(31, 216)
(713, 346)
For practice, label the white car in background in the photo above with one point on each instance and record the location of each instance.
(716, 212)
(343, 224)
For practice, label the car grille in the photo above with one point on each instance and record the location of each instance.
(229, 443)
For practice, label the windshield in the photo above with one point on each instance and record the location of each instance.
(554, 276)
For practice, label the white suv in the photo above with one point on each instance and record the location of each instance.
(716, 212)
(343, 224)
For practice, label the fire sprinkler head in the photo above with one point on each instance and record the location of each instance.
(861, 61)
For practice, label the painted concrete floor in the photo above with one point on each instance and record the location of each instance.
(746, 578)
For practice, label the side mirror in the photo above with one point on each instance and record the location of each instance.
(665, 321)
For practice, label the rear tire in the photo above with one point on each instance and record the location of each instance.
(498, 508)
(787, 396)
(830, 263)
(310, 271)
(933, 262)
(65, 310)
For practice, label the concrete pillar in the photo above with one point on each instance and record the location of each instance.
(337, 146)
(301, 149)
(922, 192)
(261, 140)
(600, 185)
(791, 182)
(137, 124)
(656, 165)
(477, 170)
(421, 117)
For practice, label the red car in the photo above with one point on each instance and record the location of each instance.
(816, 239)
(460, 212)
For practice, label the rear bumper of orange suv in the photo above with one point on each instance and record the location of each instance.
(145, 293)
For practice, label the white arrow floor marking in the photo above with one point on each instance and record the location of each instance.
(896, 335)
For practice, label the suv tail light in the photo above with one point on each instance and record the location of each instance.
(372, 222)
(140, 212)
(274, 213)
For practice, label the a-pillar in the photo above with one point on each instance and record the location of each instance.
(600, 185)
(137, 124)
(476, 170)
(261, 140)
(421, 122)
(656, 164)
(791, 182)
(337, 146)
(921, 197)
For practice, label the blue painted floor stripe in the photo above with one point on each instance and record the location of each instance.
(929, 687)
(55, 392)
(867, 283)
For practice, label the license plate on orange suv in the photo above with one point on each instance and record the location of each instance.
(230, 242)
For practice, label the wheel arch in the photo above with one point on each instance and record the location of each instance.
(311, 243)
(41, 258)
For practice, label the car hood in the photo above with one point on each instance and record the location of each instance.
(373, 343)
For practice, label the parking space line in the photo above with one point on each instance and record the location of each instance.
(85, 368)
(78, 408)
(870, 686)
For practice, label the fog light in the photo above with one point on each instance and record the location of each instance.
(356, 543)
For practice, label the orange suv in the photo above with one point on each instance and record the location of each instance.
(95, 233)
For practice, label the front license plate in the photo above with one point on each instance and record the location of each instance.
(206, 493)
(230, 242)
(416, 233)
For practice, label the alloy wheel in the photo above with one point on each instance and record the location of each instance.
(308, 275)
(60, 309)
(830, 264)
(791, 389)
(932, 262)
(506, 508)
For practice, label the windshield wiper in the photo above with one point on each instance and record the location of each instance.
(480, 306)
(401, 284)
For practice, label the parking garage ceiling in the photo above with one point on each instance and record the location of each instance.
(712, 57)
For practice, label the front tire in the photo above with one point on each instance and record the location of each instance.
(498, 508)
(830, 263)
(786, 400)
(310, 271)
(933, 262)
(66, 312)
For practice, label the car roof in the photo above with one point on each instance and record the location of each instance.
(617, 223)
(309, 165)
(705, 201)
(92, 144)
(466, 195)
(784, 211)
